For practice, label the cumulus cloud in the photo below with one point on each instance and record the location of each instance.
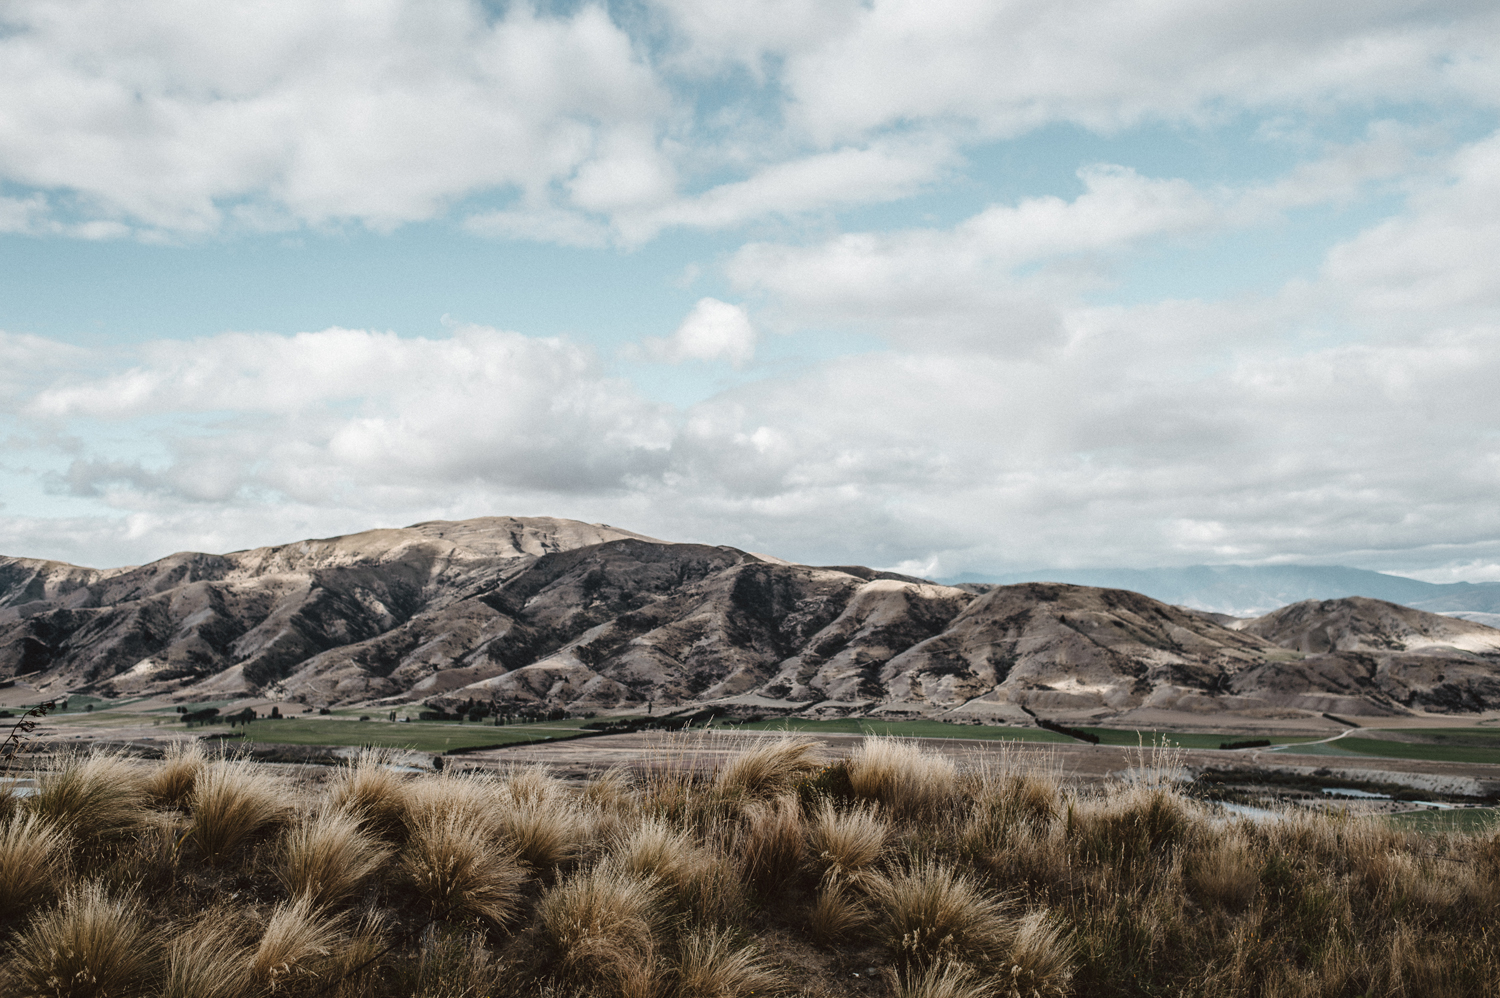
(579, 129)
(312, 416)
(1006, 68)
(713, 330)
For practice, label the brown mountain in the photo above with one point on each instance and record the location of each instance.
(560, 613)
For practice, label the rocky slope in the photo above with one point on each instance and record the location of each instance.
(559, 613)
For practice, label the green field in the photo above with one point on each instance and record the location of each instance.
(1188, 740)
(1416, 750)
(904, 729)
(1469, 820)
(434, 736)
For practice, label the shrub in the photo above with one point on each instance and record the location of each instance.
(88, 947)
(231, 803)
(327, 858)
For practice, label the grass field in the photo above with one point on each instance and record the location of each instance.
(1464, 821)
(1416, 750)
(417, 736)
(907, 729)
(1183, 739)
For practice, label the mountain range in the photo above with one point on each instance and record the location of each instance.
(1252, 590)
(556, 613)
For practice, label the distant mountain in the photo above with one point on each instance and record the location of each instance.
(555, 613)
(1252, 590)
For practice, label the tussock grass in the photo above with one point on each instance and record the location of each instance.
(838, 913)
(933, 912)
(843, 842)
(207, 959)
(97, 798)
(171, 783)
(712, 965)
(906, 780)
(33, 863)
(373, 792)
(89, 946)
(771, 847)
(546, 830)
(968, 880)
(298, 943)
(603, 923)
(232, 802)
(949, 979)
(328, 858)
(767, 768)
(460, 870)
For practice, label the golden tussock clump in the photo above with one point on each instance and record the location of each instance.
(328, 857)
(231, 803)
(89, 946)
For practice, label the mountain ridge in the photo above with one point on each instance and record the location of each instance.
(1253, 590)
(529, 612)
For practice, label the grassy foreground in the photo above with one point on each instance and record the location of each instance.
(893, 872)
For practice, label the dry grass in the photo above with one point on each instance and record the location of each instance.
(459, 870)
(771, 847)
(207, 959)
(328, 858)
(712, 965)
(373, 792)
(695, 880)
(905, 779)
(232, 802)
(767, 768)
(603, 924)
(33, 863)
(90, 946)
(843, 842)
(948, 979)
(298, 943)
(838, 913)
(171, 783)
(96, 798)
(933, 912)
(545, 828)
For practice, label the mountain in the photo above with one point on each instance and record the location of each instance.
(1251, 590)
(556, 613)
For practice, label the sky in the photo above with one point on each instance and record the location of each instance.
(936, 285)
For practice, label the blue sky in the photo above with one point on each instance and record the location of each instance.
(946, 286)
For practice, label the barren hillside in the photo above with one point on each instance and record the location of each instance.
(560, 613)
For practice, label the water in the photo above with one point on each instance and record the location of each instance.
(1366, 795)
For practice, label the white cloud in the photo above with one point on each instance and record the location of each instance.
(163, 115)
(713, 330)
(315, 415)
(1010, 67)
